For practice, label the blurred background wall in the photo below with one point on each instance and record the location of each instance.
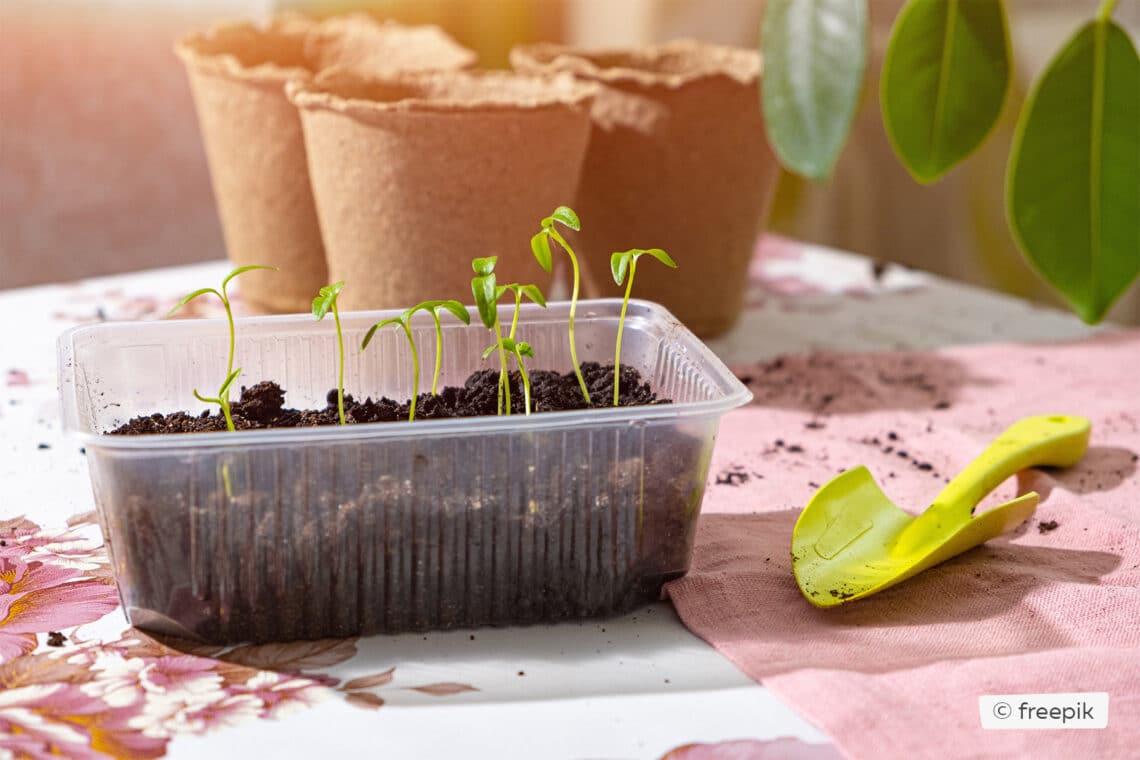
(102, 170)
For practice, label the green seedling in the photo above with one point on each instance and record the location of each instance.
(540, 245)
(404, 321)
(624, 267)
(487, 294)
(433, 307)
(519, 349)
(325, 300)
(223, 399)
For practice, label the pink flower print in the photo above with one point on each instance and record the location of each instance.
(37, 597)
(229, 711)
(81, 549)
(60, 720)
(280, 693)
(182, 676)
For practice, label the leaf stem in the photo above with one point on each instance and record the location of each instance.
(621, 328)
(438, 353)
(340, 375)
(415, 370)
(515, 318)
(573, 307)
(504, 377)
(1105, 10)
(525, 379)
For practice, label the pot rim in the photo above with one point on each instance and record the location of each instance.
(434, 92)
(195, 50)
(647, 66)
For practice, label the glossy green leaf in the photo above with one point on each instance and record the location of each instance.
(814, 52)
(490, 350)
(944, 81)
(325, 298)
(567, 217)
(534, 294)
(378, 326)
(187, 299)
(661, 256)
(619, 265)
(229, 381)
(540, 245)
(458, 310)
(484, 266)
(243, 270)
(1073, 181)
(522, 348)
(486, 295)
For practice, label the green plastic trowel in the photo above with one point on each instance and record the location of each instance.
(851, 541)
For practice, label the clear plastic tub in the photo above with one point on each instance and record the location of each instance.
(388, 527)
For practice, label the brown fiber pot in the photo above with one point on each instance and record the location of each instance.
(253, 138)
(678, 159)
(415, 175)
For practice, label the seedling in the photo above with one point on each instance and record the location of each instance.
(433, 307)
(487, 295)
(325, 300)
(223, 399)
(540, 245)
(624, 265)
(519, 349)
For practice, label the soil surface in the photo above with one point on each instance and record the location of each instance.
(263, 405)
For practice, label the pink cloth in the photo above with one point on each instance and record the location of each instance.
(1037, 611)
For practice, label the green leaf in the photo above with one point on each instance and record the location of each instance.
(661, 256)
(484, 266)
(524, 349)
(191, 297)
(229, 381)
(457, 309)
(243, 270)
(486, 295)
(540, 245)
(945, 78)
(566, 216)
(490, 350)
(814, 52)
(533, 293)
(325, 298)
(204, 399)
(1073, 181)
(619, 265)
(378, 326)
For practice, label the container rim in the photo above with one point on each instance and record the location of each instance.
(735, 394)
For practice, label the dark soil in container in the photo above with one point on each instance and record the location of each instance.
(263, 405)
(276, 542)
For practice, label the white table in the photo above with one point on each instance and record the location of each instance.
(635, 686)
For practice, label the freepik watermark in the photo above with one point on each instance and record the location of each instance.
(1043, 711)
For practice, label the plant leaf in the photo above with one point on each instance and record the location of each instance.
(525, 349)
(944, 81)
(661, 256)
(484, 266)
(566, 216)
(243, 270)
(1073, 181)
(534, 294)
(490, 350)
(378, 326)
(619, 265)
(229, 381)
(457, 309)
(486, 295)
(540, 245)
(191, 297)
(325, 298)
(814, 53)
(206, 400)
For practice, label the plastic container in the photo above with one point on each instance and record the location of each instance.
(335, 531)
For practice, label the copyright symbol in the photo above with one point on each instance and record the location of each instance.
(1002, 710)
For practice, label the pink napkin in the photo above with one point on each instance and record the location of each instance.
(1053, 607)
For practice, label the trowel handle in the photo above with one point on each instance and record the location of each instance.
(1054, 440)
